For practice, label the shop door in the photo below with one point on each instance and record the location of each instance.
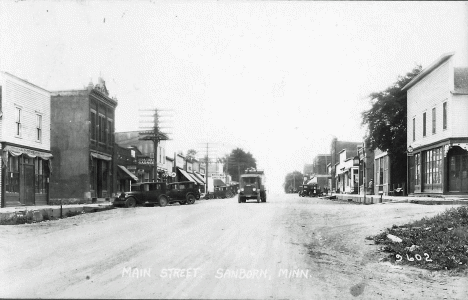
(27, 185)
(458, 173)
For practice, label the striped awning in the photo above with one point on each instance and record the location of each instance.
(187, 175)
(128, 173)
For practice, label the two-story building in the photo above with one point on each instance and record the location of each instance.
(145, 159)
(24, 142)
(347, 172)
(335, 149)
(437, 135)
(82, 142)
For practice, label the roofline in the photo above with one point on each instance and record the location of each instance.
(428, 70)
(25, 81)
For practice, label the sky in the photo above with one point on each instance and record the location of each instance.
(278, 79)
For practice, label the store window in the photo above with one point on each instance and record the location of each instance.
(40, 177)
(434, 120)
(12, 180)
(417, 160)
(433, 166)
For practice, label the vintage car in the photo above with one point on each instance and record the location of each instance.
(252, 186)
(145, 193)
(304, 190)
(185, 192)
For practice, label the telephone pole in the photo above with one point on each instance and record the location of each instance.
(150, 130)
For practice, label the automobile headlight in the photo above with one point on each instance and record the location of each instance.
(242, 189)
(122, 195)
(254, 189)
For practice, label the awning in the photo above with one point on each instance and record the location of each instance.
(17, 151)
(218, 182)
(189, 178)
(128, 173)
(100, 156)
(196, 179)
(200, 178)
(312, 181)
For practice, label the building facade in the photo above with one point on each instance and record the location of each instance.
(366, 170)
(145, 158)
(125, 160)
(335, 149)
(382, 171)
(24, 142)
(82, 141)
(437, 135)
(347, 173)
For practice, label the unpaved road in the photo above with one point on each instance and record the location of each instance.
(129, 253)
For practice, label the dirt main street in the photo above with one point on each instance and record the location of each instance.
(289, 247)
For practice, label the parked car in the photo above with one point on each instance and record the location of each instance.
(184, 192)
(145, 193)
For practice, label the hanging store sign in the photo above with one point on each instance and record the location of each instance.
(146, 161)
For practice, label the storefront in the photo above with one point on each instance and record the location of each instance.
(25, 176)
(442, 169)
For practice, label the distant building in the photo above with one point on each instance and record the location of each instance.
(335, 149)
(82, 142)
(24, 142)
(347, 172)
(366, 170)
(145, 160)
(437, 134)
(318, 171)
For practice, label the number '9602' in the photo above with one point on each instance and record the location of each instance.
(416, 256)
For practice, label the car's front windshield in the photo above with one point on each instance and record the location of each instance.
(249, 180)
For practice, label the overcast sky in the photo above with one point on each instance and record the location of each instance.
(277, 79)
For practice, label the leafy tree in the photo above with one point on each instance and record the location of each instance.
(191, 154)
(237, 162)
(293, 181)
(386, 124)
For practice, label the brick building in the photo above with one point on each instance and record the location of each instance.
(24, 142)
(82, 142)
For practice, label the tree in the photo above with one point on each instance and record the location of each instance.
(293, 181)
(191, 153)
(237, 162)
(386, 124)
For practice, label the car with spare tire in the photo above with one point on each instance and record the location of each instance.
(184, 192)
(145, 193)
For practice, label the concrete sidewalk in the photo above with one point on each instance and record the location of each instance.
(374, 199)
(38, 213)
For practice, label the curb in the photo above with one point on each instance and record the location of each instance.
(38, 214)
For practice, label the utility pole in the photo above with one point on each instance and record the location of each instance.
(150, 130)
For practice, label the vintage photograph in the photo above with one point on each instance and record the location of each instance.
(233, 149)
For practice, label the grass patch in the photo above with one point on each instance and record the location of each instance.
(437, 243)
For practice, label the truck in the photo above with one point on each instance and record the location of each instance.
(252, 186)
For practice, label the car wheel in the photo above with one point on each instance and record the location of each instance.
(131, 202)
(162, 201)
(183, 202)
(190, 199)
